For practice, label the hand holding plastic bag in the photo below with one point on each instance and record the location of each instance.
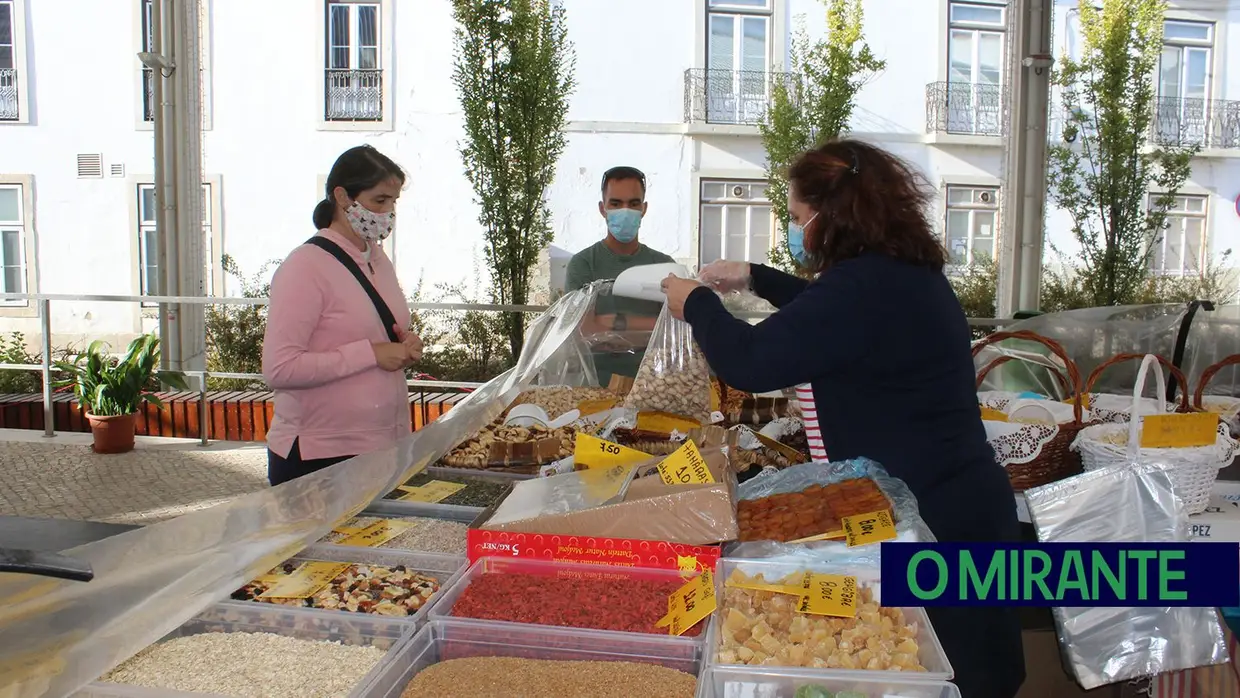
(674, 376)
(725, 276)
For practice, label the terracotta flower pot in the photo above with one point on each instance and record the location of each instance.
(113, 434)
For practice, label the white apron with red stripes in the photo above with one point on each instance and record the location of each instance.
(813, 431)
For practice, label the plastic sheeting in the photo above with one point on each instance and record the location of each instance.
(56, 636)
(1132, 504)
(1093, 335)
(910, 527)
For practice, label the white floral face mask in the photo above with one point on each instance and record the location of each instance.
(371, 226)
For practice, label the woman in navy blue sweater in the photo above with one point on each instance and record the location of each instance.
(881, 338)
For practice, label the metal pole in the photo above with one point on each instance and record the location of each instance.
(202, 410)
(163, 193)
(45, 331)
(166, 173)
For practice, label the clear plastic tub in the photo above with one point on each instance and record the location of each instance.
(930, 654)
(443, 607)
(448, 639)
(775, 682)
(454, 512)
(464, 518)
(445, 568)
(305, 624)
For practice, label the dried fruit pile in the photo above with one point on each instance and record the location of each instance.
(813, 511)
(632, 605)
(557, 400)
(477, 493)
(502, 446)
(765, 627)
(513, 677)
(386, 591)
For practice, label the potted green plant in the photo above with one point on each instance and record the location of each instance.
(111, 390)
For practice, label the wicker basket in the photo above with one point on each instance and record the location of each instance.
(1121, 416)
(1227, 407)
(1194, 468)
(1055, 460)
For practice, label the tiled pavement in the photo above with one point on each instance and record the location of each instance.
(60, 477)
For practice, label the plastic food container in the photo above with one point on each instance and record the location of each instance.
(446, 568)
(775, 682)
(444, 605)
(448, 639)
(930, 651)
(395, 507)
(305, 624)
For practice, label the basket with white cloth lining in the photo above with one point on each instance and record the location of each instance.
(1226, 406)
(1195, 467)
(1117, 409)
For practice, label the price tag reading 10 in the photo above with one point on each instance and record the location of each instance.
(593, 452)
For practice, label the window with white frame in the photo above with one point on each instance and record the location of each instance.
(737, 60)
(735, 222)
(354, 71)
(13, 223)
(972, 224)
(1180, 249)
(150, 280)
(10, 108)
(975, 48)
(1182, 106)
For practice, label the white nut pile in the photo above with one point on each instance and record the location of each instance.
(246, 665)
(559, 399)
(673, 379)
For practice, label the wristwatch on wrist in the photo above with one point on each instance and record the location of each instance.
(620, 324)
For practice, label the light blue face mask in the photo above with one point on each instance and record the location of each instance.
(796, 241)
(623, 223)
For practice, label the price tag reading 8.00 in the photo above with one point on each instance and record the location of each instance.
(829, 595)
(864, 529)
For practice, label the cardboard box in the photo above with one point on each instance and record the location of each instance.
(1220, 522)
(650, 511)
(621, 552)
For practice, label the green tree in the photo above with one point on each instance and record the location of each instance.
(1103, 173)
(235, 332)
(513, 71)
(814, 102)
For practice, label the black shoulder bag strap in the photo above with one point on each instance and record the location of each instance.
(385, 313)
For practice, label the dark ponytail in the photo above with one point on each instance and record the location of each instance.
(357, 169)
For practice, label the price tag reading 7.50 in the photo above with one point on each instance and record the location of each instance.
(593, 452)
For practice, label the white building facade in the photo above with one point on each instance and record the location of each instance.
(675, 88)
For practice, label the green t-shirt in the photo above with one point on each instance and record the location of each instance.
(598, 262)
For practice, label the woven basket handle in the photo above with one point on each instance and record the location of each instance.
(1176, 373)
(1134, 421)
(1073, 382)
(981, 375)
(1208, 374)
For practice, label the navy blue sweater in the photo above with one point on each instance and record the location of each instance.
(885, 346)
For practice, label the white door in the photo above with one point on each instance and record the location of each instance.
(736, 82)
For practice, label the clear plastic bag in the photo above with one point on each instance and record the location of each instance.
(909, 525)
(1128, 503)
(674, 376)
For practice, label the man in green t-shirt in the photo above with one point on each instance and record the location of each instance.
(626, 322)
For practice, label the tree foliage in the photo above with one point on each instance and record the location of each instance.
(1103, 173)
(814, 102)
(513, 70)
(235, 332)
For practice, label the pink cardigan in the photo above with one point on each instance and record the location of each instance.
(330, 393)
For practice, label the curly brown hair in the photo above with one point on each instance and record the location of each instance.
(867, 200)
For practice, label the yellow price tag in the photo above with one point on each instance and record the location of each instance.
(831, 535)
(1085, 401)
(432, 492)
(990, 415)
(664, 423)
(690, 604)
(605, 483)
(685, 467)
(1179, 430)
(590, 407)
(593, 452)
(865, 529)
(305, 581)
(829, 595)
(377, 533)
(741, 581)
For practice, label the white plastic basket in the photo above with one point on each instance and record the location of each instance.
(1195, 468)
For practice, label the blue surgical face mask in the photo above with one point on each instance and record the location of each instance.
(623, 223)
(796, 241)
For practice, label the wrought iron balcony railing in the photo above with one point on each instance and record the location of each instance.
(966, 108)
(354, 95)
(1209, 123)
(729, 96)
(9, 110)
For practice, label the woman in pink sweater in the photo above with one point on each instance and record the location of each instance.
(336, 347)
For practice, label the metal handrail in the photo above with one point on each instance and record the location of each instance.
(44, 302)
